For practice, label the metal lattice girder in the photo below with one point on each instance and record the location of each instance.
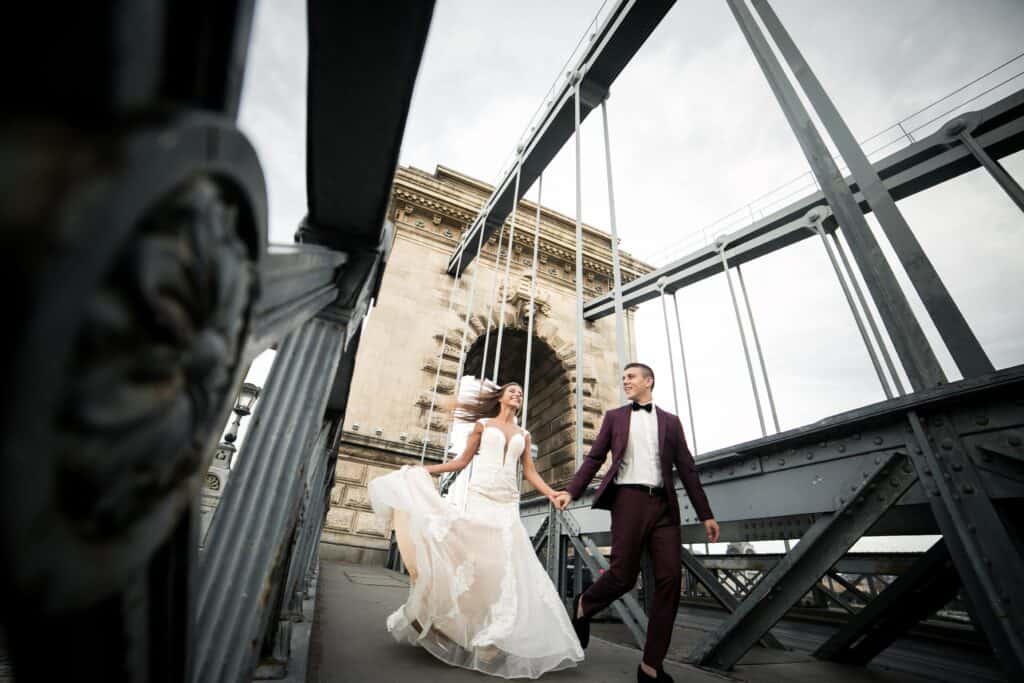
(749, 483)
(250, 532)
(851, 588)
(719, 592)
(926, 587)
(987, 557)
(540, 537)
(553, 546)
(841, 600)
(818, 550)
(852, 563)
(627, 607)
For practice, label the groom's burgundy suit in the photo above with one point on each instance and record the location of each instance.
(641, 518)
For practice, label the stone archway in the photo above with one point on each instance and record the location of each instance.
(551, 417)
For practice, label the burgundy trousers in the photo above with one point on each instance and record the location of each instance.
(638, 520)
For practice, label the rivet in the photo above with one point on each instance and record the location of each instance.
(982, 420)
(865, 475)
(732, 471)
(968, 489)
(894, 483)
(928, 471)
(917, 449)
(782, 462)
(878, 460)
(809, 456)
(841, 448)
(823, 444)
(853, 487)
(1014, 440)
(753, 467)
(947, 445)
(947, 476)
(878, 440)
(842, 501)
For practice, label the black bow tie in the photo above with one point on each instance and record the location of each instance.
(637, 406)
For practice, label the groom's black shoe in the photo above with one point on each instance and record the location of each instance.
(580, 625)
(641, 677)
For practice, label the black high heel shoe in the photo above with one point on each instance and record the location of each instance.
(581, 625)
(662, 677)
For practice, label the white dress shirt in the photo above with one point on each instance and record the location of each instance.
(641, 465)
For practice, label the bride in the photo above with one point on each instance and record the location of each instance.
(478, 597)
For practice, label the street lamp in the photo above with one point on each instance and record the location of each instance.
(224, 457)
(243, 406)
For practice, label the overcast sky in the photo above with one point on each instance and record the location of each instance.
(697, 134)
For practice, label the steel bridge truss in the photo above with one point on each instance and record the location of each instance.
(949, 461)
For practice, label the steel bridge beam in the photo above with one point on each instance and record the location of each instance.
(926, 587)
(917, 167)
(701, 572)
(617, 40)
(819, 549)
(752, 484)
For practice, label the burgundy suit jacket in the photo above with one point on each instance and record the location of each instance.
(672, 450)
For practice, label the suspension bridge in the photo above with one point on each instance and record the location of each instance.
(136, 230)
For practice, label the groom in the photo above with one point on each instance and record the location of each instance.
(645, 441)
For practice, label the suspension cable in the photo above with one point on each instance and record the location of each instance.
(620, 334)
(440, 359)
(508, 267)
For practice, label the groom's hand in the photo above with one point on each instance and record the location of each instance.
(711, 527)
(562, 500)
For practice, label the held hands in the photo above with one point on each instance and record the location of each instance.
(561, 499)
(711, 527)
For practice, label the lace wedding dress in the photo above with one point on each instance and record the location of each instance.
(479, 598)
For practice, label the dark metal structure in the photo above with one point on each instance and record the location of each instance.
(134, 221)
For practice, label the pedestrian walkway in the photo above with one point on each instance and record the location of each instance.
(350, 645)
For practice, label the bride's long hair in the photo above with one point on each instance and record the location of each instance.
(487, 403)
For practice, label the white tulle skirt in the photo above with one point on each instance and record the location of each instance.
(478, 596)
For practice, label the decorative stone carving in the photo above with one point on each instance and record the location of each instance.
(154, 361)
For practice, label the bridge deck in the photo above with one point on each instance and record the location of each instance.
(350, 644)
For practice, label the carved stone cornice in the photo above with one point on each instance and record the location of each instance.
(441, 206)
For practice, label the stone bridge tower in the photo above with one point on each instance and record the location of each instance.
(394, 375)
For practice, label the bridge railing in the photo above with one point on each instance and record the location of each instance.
(135, 228)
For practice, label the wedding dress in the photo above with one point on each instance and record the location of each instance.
(479, 598)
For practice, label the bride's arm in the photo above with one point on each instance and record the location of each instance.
(459, 463)
(530, 472)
